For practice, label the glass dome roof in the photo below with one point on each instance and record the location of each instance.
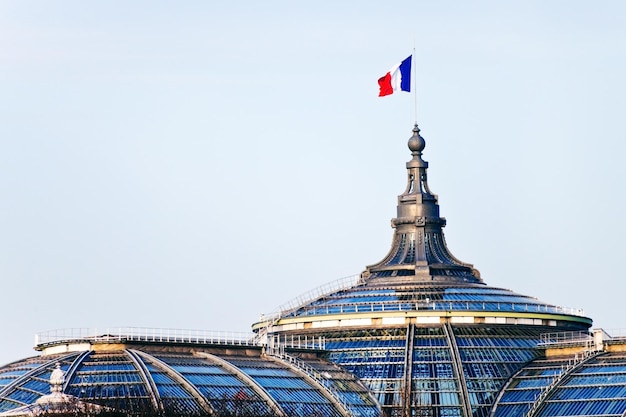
(480, 298)
(583, 385)
(226, 380)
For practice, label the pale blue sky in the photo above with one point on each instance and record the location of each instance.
(194, 164)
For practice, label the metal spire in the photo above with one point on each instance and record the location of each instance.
(419, 251)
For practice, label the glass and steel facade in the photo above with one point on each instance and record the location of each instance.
(444, 348)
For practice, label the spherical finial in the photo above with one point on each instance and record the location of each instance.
(416, 142)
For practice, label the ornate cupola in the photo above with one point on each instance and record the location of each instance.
(419, 251)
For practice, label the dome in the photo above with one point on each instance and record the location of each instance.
(143, 371)
(579, 375)
(420, 328)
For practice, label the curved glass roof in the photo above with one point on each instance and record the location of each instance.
(477, 297)
(192, 383)
(23, 382)
(566, 386)
(16, 370)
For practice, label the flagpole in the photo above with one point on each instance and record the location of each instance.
(414, 80)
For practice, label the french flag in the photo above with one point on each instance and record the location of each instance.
(397, 79)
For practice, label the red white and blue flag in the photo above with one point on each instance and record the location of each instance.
(397, 79)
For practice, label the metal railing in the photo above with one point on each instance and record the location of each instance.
(315, 310)
(312, 295)
(615, 334)
(276, 343)
(303, 305)
(580, 338)
(156, 335)
(144, 334)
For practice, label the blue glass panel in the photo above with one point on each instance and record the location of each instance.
(304, 410)
(491, 370)
(6, 405)
(513, 410)
(240, 407)
(480, 398)
(598, 379)
(430, 341)
(586, 408)
(368, 371)
(550, 372)
(369, 292)
(161, 378)
(114, 391)
(360, 344)
(45, 374)
(175, 391)
(15, 372)
(527, 395)
(463, 342)
(304, 396)
(219, 380)
(475, 290)
(107, 367)
(292, 383)
(42, 387)
(432, 370)
(184, 406)
(105, 378)
(364, 411)
(218, 392)
(448, 398)
(200, 369)
(23, 396)
(603, 369)
(481, 384)
(617, 407)
(591, 392)
(353, 397)
(431, 355)
(356, 300)
(532, 383)
(266, 371)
